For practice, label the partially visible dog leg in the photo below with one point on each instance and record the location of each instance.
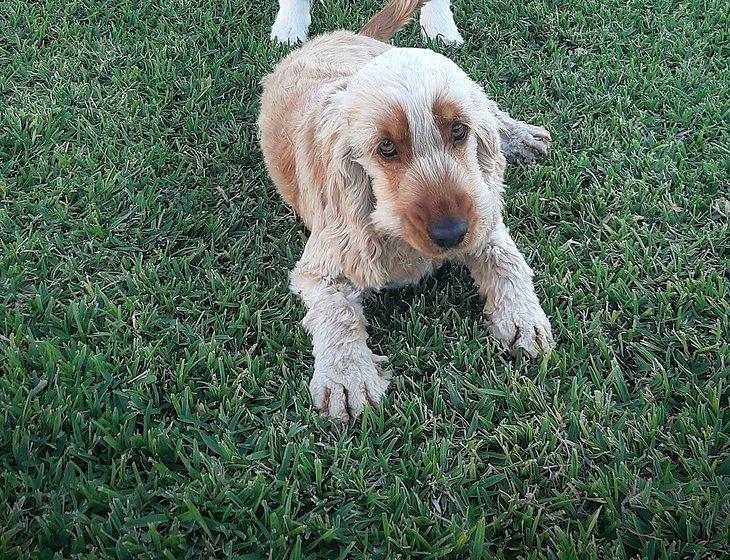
(347, 375)
(292, 21)
(513, 311)
(437, 21)
(519, 140)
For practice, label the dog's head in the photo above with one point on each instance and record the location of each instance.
(421, 131)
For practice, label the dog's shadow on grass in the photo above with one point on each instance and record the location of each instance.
(417, 326)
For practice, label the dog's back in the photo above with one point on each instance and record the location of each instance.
(290, 101)
(294, 92)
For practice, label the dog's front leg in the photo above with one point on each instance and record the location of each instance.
(437, 22)
(292, 21)
(505, 281)
(519, 140)
(347, 375)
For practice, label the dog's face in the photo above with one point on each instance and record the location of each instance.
(421, 130)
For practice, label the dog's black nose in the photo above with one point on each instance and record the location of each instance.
(448, 233)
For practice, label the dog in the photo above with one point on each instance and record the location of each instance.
(394, 159)
(293, 19)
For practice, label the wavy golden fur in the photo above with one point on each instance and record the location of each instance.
(394, 159)
(383, 25)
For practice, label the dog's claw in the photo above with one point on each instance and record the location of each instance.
(452, 38)
(530, 331)
(526, 142)
(536, 342)
(343, 396)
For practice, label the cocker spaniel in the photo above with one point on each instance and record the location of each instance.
(394, 159)
(292, 22)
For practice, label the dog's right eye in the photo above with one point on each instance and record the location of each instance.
(458, 132)
(387, 149)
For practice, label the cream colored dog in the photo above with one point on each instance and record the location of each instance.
(394, 159)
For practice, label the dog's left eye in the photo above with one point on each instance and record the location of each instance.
(387, 149)
(458, 131)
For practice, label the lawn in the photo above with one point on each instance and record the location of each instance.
(153, 369)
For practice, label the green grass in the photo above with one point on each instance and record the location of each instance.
(153, 371)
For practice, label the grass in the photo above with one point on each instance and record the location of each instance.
(153, 371)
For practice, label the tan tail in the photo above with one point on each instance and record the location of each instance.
(383, 25)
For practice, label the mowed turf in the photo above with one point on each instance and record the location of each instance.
(153, 369)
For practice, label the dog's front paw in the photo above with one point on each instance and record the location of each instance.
(341, 390)
(440, 25)
(526, 142)
(526, 329)
(447, 36)
(291, 27)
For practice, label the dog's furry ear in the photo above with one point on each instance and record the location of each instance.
(346, 227)
(487, 129)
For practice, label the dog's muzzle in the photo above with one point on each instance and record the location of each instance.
(448, 233)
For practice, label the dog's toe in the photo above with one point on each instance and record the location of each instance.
(288, 35)
(529, 331)
(537, 141)
(447, 36)
(291, 27)
(343, 396)
(535, 341)
(338, 409)
(526, 143)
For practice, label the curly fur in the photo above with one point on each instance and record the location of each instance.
(325, 109)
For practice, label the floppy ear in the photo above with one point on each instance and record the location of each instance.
(347, 199)
(487, 129)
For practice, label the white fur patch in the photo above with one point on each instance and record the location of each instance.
(437, 22)
(292, 21)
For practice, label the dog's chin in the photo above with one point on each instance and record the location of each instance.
(393, 229)
(431, 251)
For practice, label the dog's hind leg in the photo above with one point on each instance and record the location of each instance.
(520, 141)
(347, 375)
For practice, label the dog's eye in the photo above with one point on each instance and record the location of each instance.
(458, 132)
(387, 149)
